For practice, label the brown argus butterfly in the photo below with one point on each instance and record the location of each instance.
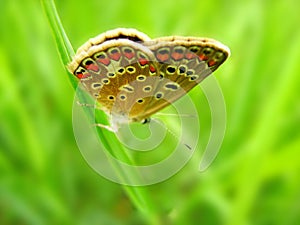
(133, 76)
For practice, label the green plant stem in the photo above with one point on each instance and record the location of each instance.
(138, 195)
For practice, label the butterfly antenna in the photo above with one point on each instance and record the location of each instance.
(175, 114)
(172, 133)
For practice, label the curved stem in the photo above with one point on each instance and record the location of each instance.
(138, 195)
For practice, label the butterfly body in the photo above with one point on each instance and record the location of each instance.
(133, 76)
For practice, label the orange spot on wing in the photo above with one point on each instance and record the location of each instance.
(211, 63)
(115, 56)
(203, 57)
(162, 57)
(92, 67)
(82, 75)
(104, 61)
(190, 55)
(177, 56)
(129, 55)
(143, 62)
(79, 75)
(152, 69)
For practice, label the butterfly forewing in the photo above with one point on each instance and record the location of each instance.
(115, 73)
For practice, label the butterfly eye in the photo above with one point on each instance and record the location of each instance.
(145, 121)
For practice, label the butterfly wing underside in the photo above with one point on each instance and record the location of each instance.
(132, 76)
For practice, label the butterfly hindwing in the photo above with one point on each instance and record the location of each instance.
(183, 63)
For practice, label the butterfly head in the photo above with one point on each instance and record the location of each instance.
(119, 119)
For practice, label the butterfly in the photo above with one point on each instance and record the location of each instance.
(133, 76)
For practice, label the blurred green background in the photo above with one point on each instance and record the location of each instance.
(255, 178)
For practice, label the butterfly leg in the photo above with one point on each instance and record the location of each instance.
(111, 129)
(87, 105)
(107, 127)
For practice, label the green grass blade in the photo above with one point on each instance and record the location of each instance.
(138, 196)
